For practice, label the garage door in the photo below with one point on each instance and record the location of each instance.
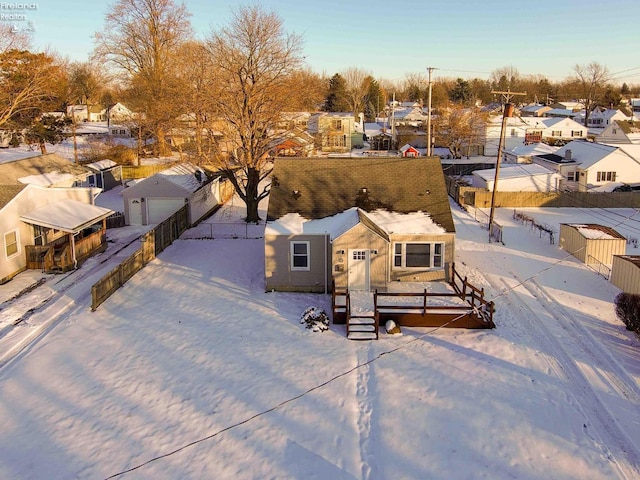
(162, 208)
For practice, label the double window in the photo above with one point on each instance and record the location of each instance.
(418, 255)
(300, 256)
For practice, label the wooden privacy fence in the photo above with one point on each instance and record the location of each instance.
(152, 243)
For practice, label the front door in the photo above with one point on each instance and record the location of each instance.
(359, 270)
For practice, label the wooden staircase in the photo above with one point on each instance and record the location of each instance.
(362, 321)
(363, 327)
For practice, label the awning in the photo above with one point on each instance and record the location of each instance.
(68, 215)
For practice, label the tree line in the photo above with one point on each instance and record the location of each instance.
(230, 88)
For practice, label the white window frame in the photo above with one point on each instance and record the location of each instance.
(293, 255)
(7, 255)
(433, 256)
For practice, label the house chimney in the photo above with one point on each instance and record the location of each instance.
(567, 154)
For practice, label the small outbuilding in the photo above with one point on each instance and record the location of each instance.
(625, 273)
(592, 244)
(519, 178)
(105, 174)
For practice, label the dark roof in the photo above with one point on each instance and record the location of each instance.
(10, 172)
(8, 192)
(628, 127)
(552, 157)
(321, 187)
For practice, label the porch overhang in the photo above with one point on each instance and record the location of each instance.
(70, 216)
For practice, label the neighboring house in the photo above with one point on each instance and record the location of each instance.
(525, 153)
(563, 164)
(80, 113)
(292, 143)
(155, 198)
(105, 174)
(119, 113)
(625, 273)
(49, 170)
(50, 229)
(599, 164)
(409, 151)
(360, 223)
(534, 110)
(592, 244)
(621, 131)
(518, 178)
(514, 134)
(335, 132)
(378, 135)
(413, 116)
(554, 131)
(603, 117)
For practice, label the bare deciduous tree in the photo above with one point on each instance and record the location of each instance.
(591, 81)
(256, 65)
(356, 88)
(456, 127)
(141, 37)
(12, 40)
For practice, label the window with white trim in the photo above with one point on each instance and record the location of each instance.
(11, 244)
(300, 256)
(418, 255)
(606, 176)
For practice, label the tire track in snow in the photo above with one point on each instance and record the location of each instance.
(607, 433)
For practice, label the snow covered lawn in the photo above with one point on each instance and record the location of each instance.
(192, 371)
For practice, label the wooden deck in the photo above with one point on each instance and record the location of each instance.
(435, 304)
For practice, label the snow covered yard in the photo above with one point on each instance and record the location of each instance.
(192, 367)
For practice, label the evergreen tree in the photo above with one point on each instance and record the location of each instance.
(336, 100)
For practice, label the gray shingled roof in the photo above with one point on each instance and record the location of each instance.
(10, 172)
(8, 192)
(327, 186)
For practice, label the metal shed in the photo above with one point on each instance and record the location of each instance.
(625, 273)
(592, 244)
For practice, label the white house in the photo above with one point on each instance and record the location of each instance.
(518, 178)
(553, 130)
(514, 135)
(600, 164)
(620, 132)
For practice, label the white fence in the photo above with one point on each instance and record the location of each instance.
(225, 230)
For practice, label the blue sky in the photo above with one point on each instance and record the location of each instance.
(392, 39)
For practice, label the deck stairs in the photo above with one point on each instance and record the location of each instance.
(362, 323)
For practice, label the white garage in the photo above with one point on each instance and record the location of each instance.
(154, 199)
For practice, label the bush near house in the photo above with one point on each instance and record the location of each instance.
(628, 310)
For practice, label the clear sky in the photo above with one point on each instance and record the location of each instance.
(392, 39)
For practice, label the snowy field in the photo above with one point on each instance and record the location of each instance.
(192, 371)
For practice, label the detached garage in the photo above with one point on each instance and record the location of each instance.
(154, 199)
(518, 178)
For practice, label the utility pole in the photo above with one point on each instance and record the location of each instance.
(429, 148)
(507, 112)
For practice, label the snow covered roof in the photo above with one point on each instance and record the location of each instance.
(316, 188)
(594, 231)
(68, 215)
(515, 171)
(40, 170)
(586, 153)
(336, 225)
(101, 165)
(184, 175)
(533, 149)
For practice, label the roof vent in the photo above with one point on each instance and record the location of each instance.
(567, 154)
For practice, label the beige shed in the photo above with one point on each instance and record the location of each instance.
(592, 244)
(625, 273)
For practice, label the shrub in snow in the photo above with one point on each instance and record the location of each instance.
(628, 310)
(315, 318)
